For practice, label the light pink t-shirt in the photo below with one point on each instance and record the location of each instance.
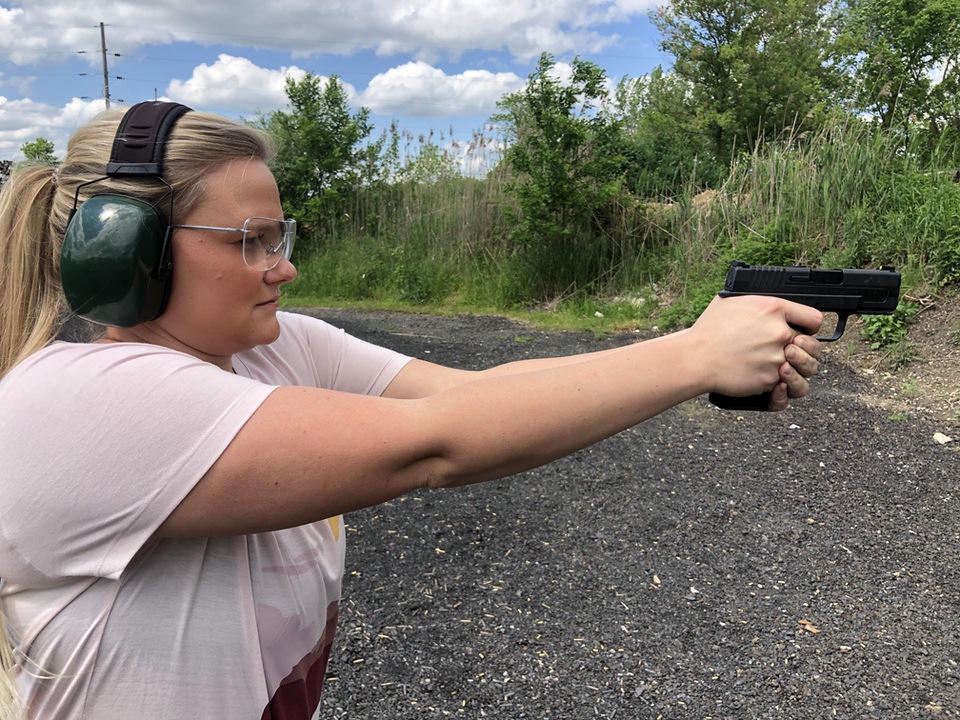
(98, 444)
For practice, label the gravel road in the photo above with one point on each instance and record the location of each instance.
(705, 564)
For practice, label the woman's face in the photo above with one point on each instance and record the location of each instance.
(218, 305)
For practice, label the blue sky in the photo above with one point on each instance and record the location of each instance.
(435, 65)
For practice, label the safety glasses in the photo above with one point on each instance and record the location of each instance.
(264, 240)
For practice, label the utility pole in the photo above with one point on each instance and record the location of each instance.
(106, 77)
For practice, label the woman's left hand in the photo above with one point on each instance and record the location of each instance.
(802, 361)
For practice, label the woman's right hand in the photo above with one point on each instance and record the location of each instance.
(743, 344)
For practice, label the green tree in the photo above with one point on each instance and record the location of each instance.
(562, 153)
(756, 67)
(894, 51)
(320, 160)
(664, 152)
(39, 151)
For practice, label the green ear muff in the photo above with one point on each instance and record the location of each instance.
(115, 261)
(111, 265)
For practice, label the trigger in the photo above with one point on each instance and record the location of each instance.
(838, 331)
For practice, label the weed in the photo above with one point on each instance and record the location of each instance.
(901, 354)
(887, 331)
(912, 389)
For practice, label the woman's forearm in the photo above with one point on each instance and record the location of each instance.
(503, 424)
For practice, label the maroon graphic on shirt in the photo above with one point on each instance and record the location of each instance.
(298, 696)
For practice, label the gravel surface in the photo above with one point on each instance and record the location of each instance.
(705, 564)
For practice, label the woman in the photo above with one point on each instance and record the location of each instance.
(170, 532)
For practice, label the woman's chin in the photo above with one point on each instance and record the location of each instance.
(268, 331)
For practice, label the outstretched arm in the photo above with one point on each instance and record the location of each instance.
(420, 379)
(307, 454)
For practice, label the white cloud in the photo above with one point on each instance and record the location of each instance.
(235, 84)
(417, 88)
(19, 46)
(423, 27)
(39, 35)
(22, 121)
(938, 73)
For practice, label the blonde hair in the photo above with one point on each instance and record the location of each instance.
(35, 205)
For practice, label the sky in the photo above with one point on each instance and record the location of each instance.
(423, 65)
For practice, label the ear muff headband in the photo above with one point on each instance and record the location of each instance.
(115, 261)
(139, 145)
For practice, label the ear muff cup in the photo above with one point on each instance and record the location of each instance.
(112, 264)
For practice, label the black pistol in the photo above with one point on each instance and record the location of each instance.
(844, 292)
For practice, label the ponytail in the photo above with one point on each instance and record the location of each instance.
(10, 708)
(30, 294)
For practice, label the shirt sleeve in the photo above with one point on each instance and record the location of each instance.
(314, 353)
(100, 443)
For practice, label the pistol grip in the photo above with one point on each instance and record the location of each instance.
(751, 402)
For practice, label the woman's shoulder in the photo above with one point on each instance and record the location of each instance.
(313, 352)
(291, 358)
(120, 385)
(83, 367)
(60, 356)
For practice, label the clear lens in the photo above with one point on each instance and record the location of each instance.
(266, 241)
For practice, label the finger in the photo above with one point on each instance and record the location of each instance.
(802, 316)
(810, 345)
(779, 398)
(796, 384)
(802, 361)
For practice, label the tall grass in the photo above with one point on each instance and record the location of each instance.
(848, 196)
(413, 242)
